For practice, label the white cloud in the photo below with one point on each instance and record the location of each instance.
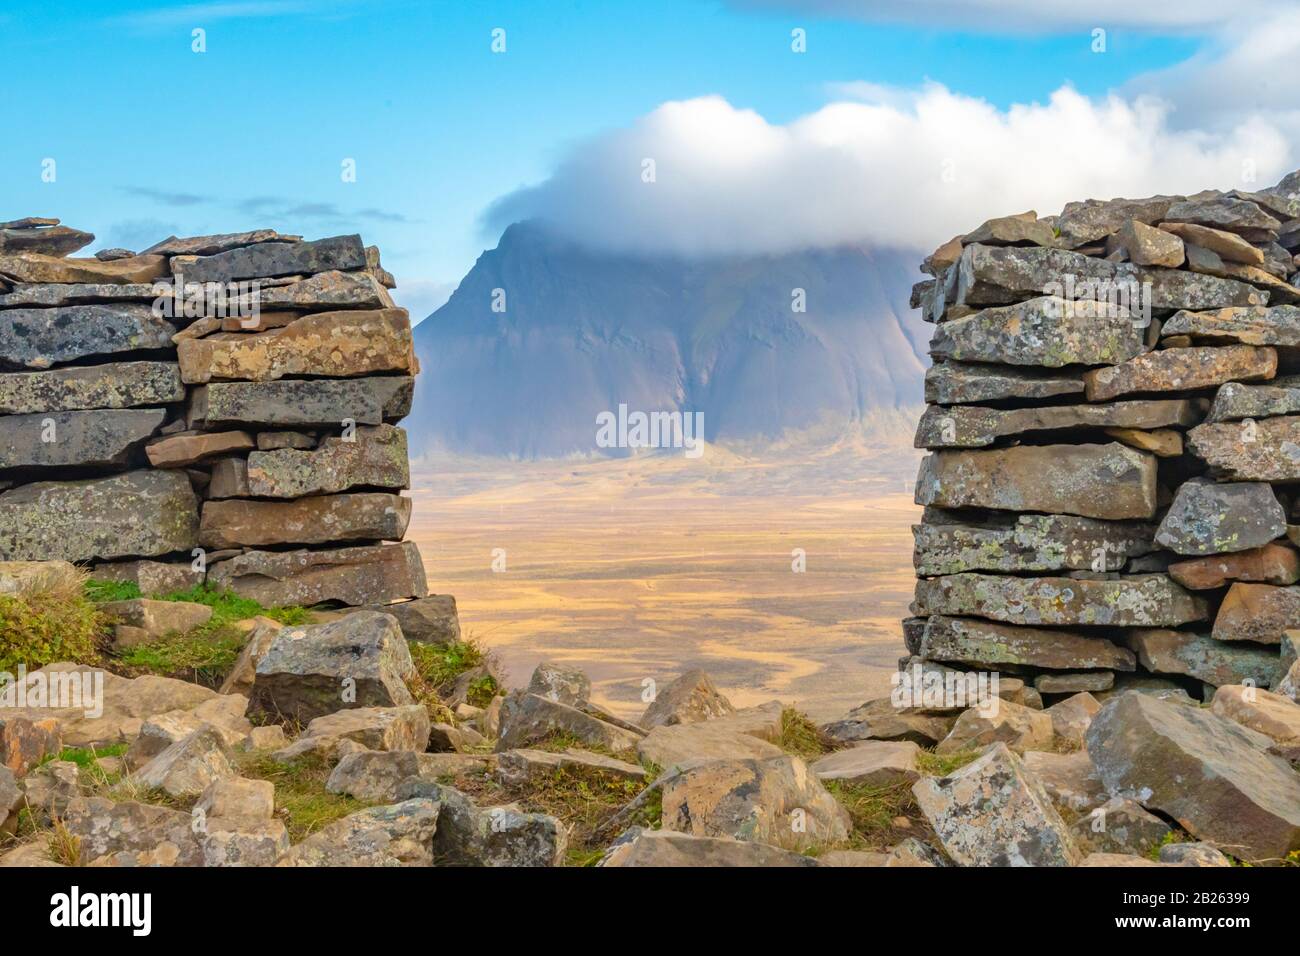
(1032, 15)
(728, 181)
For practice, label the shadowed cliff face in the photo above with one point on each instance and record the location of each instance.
(583, 332)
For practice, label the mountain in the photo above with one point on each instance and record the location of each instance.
(583, 332)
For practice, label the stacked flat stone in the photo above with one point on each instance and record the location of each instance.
(172, 441)
(1110, 486)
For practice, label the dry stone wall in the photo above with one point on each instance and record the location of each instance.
(217, 409)
(1113, 434)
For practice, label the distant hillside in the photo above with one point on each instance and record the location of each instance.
(584, 332)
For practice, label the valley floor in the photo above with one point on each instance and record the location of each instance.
(637, 569)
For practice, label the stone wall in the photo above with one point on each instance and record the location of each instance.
(1114, 442)
(218, 408)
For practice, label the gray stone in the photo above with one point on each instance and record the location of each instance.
(1120, 826)
(102, 439)
(1082, 223)
(397, 835)
(1071, 717)
(377, 728)
(1181, 370)
(355, 576)
(955, 383)
(1207, 772)
(970, 426)
(1256, 325)
(1266, 450)
(564, 685)
(375, 456)
(269, 259)
(518, 768)
(527, 718)
(1211, 518)
(39, 338)
(992, 812)
(211, 245)
(1020, 728)
(131, 833)
(1076, 683)
(1236, 401)
(1134, 600)
(1192, 854)
(360, 660)
(949, 545)
(321, 519)
(872, 763)
(976, 641)
(1070, 779)
(187, 767)
(302, 403)
(138, 514)
(426, 620)
(1223, 212)
(114, 385)
(496, 836)
(1047, 331)
(51, 240)
(690, 698)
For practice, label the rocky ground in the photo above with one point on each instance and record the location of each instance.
(338, 739)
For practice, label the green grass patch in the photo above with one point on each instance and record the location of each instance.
(874, 811)
(101, 592)
(441, 664)
(801, 737)
(301, 799)
(942, 765)
(228, 608)
(202, 656)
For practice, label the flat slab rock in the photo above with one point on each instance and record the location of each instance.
(335, 344)
(40, 338)
(1165, 651)
(320, 519)
(960, 383)
(1264, 450)
(1207, 772)
(101, 439)
(523, 766)
(374, 457)
(427, 620)
(1050, 332)
(976, 641)
(970, 426)
(268, 259)
(355, 576)
(749, 732)
(112, 385)
(1257, 612)
(306, 670)
(992, 812)
(1255, 325)
(1271, 564)
(1136, 600)
(872, 763)
(137, 514)
(1209, 517)
(1235, 401)
(396, 835)
(295, 403)
(528, 718)
(1093, 481)
(1181, 370)
(945, 545)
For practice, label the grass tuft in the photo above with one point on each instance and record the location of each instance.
(942, 765)
(49, 619)
(801, 737)
(301, 799)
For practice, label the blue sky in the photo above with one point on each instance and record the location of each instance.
(151, 138)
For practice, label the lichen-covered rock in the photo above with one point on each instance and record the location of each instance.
(131, 832)
(1212, 518)
(777, 801)
(1120, 826)
(360, 660)
(1210, 774)
(32, 267)
(527, 718)
(1069, 778)
(137, 514)
(302, 403)
(976, 641)
(880, 720)
(960, 383)
(1257, 612)
(558, 684)
(992, 812)
(1255, 325)
(523, 767)
(397, 835)
(374, 456)
(355, 576)
(272, 258)
(871, 763)
(1093, 481)
(1020, 728)
(187, 767)
(1192, 854)
(1185, 369)
(40, 338)
(92, 439)
(112, 385)
(690, 698)
(320, 519)
(333, 344)
(1235, 401)
(973, 426)
(495, 836)
(24, 743)
(1213, 661)
(1264, 450)
(426, 620)
(1048, 331)
(1136, 600)
(377, 728)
